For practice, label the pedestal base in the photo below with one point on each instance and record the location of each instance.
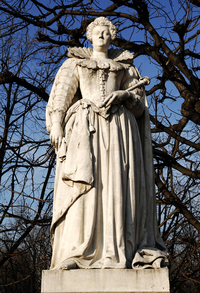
(105, 280)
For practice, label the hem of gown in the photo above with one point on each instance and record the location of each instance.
(92, 266)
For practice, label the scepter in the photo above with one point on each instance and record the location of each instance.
(143, 81)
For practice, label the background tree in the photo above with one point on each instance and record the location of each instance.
(164, 38)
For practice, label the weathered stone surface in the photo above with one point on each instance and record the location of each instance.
(110, 280)
(104, 195)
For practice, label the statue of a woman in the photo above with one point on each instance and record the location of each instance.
(104, 211)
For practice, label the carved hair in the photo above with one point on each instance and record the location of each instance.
(101, 21)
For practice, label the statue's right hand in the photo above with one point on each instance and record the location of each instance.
(56, 135)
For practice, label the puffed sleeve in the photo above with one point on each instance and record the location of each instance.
(63, 90)
(136, 101)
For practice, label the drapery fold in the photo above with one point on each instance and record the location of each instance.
(107, 215)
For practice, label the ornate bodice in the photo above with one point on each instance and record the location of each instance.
(96, 84)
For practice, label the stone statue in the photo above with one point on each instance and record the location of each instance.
(104, 209)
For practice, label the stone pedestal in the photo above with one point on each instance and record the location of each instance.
(105, 280)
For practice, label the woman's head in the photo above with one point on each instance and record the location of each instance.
(101, 21)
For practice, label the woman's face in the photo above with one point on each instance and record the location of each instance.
(101, 38)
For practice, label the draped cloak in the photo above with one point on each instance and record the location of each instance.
(104, 208)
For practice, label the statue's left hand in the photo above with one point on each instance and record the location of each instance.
(115, 98)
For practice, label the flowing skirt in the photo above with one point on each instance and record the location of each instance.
(104, 227)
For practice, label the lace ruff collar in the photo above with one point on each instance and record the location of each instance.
(118, 59)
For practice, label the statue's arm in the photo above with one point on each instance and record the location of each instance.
(61, 96)
(134, 101)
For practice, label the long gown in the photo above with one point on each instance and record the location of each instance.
(104, 211)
